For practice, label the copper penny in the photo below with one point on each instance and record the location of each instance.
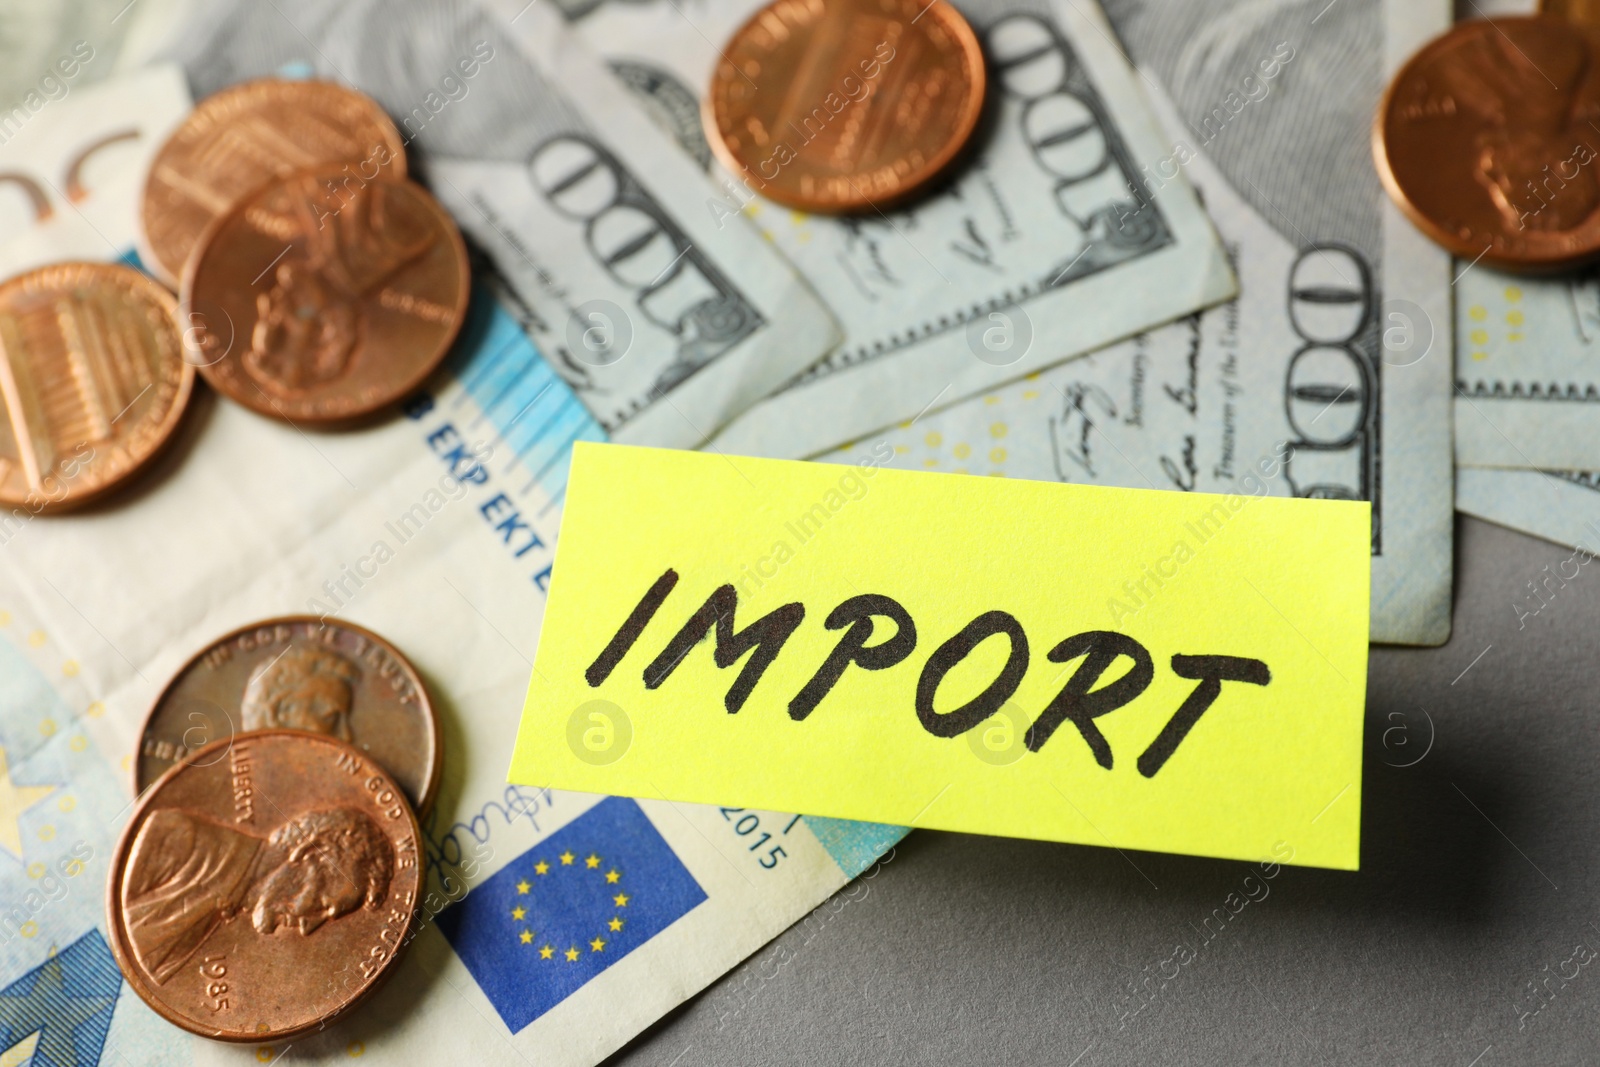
(845, 105)
(1584, 11)
(302, 673)
(92, 381)
(240, 137)
(1486, 140)
(264, 885)
(340, 296)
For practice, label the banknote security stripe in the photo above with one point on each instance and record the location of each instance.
(1173, 672)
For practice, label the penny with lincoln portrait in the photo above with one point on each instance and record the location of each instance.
(299, 672)
(264, 885)
(333, 296)
(1485, 139)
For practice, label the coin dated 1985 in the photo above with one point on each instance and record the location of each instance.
(299, 672)
(264, 885)
(245, 134)
(92, 380)
(1485, 139)
(342, 295)
(845, 105)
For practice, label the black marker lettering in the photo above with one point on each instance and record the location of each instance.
(857, 613)
(632, 627)
(1211, 671)
(766, 635)
(1075, 702)
(953, 651)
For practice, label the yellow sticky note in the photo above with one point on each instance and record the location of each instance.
(1154, 670)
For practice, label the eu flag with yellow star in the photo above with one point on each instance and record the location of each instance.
(562, 912)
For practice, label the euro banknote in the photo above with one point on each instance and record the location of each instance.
(436, 528)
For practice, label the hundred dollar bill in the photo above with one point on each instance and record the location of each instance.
(1322, 378)
(1525, 394)
(1070, 228)
(1528, 369)
(1558, 505)
(61, 797)
(437, 529)
(665, 323)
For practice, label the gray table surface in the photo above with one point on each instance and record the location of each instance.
(1478, 881)
(1458, 942)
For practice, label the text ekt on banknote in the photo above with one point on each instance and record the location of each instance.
(436, 528)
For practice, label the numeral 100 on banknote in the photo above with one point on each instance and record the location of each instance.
(1331, 386)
